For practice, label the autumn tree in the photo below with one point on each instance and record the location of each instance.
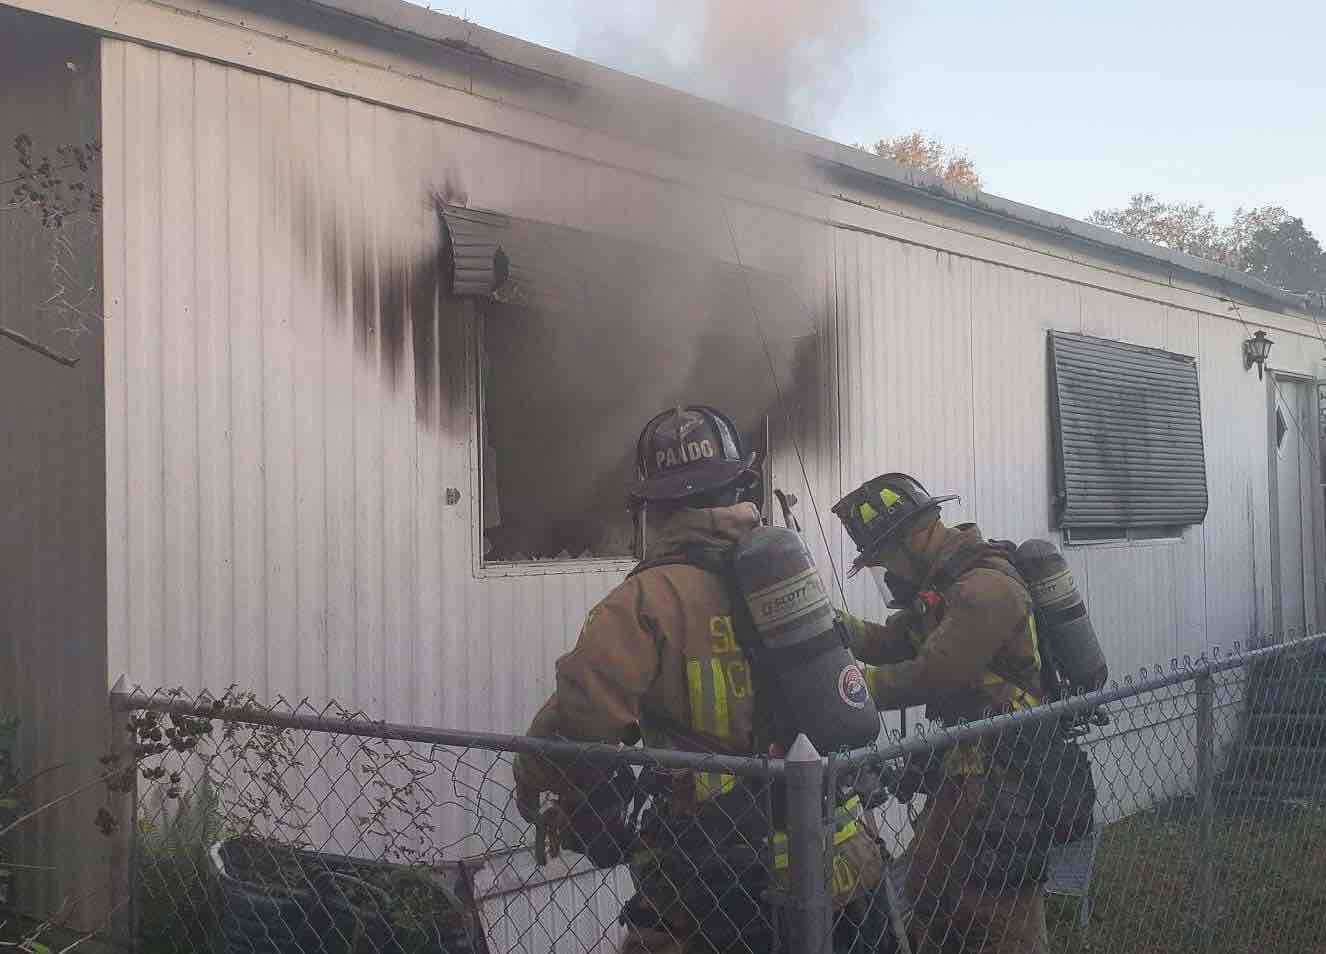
(1266, 242)
(1187, 227)
(916, 150)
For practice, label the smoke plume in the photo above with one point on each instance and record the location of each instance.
(787, 60)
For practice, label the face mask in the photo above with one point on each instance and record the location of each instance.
(895, 590)
(897, 560)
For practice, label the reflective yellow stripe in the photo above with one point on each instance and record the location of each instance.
(695, 680)
(709, 784)
(845, 818)
(839, 836)
(1022, 699)
(722, 727)
(709, 713)
(845, 877)
(964, 759)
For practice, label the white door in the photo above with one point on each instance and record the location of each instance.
(1293, 435)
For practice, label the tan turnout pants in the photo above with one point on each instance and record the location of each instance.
(954, 913)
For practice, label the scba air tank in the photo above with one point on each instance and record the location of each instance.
(822, 688)
(1061, 616)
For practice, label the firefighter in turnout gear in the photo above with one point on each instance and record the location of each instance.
(659, 658)
(964, 645)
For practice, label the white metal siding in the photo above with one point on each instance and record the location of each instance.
(941, 371)
(281, 442)
(277, 502)
(279, 448)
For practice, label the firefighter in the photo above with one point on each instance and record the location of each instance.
(659, 657)
(964, 645)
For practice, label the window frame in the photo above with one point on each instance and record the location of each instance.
(483, 568)
(1117, 537)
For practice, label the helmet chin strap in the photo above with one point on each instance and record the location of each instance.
(747, 487)
(741, 490)
(638, 518)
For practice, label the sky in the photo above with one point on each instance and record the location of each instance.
(1068, 106)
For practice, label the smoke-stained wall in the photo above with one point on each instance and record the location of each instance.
(309, 494)
(293, 470)
(305, 506)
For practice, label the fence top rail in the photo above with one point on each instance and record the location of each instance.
(1203, 667)
(341, 722)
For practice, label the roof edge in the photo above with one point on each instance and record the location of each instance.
(468, 38)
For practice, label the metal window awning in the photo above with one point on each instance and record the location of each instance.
(488, 255)
(471, 242)
(1128, 434)
(521, 262)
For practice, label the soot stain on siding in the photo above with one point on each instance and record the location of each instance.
(392, 279)
(424, 281)
(363, 296)
(334, 264)
(391, 295)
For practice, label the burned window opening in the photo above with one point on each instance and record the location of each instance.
(581, 339)
(557, 435)
(557, 446)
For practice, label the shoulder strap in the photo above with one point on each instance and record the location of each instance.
(951, 570)
(1005, 562)
(701, 557)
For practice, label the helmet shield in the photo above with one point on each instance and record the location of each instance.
(895, 590)
(882, 579)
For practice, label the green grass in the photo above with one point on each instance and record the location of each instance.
(1268, 887)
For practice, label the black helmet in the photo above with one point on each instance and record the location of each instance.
(876, 511)
(685, 451)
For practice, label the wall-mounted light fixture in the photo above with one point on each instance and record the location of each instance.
(1255, 351)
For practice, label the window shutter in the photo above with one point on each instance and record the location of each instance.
(1128, 434)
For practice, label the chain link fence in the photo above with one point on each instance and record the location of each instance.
(256, 828)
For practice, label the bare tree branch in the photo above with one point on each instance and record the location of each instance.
(24, 783)
(32, 942)
(22, 339)
(99, 780)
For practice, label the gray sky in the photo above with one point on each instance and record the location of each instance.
(1066, 106)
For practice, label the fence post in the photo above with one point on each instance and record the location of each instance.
(1204, 685)
(124, 843)
(809, 921)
